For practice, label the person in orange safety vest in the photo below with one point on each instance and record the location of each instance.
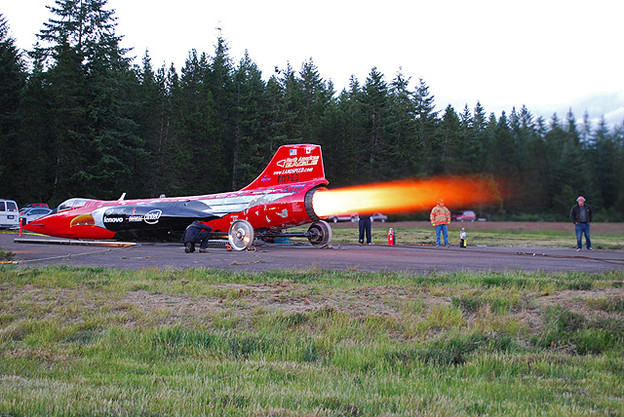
(440, 219)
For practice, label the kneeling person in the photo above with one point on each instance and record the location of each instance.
(196, 232)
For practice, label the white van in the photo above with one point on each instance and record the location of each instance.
(9, 215)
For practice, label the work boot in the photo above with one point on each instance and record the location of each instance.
(189, 247)
(203, 250)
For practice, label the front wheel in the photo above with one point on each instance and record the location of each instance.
(241, 235)
(319, 234)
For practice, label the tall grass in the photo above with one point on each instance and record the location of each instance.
(311, 343)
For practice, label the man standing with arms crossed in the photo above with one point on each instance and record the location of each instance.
(440, 219)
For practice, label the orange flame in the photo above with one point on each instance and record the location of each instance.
(405, 196)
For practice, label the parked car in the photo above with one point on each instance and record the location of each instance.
(33, 213)
(346, 217)
(9, 214)
(30, 205)
(464, 216)
(379, 217)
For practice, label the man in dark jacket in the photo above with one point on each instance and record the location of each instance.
(196, 232)
(581, 215)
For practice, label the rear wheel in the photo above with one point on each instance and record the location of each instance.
(241, 235)
(319, 234)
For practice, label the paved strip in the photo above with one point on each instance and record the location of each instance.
(373, 258)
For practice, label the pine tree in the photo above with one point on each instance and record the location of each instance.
(35, 114)
(479, 130)
(374, 145)
(219, 143)
(200, 134)
(468, 161)
(315, 99)
(426, 123)
(404, 152)
(534, 165)
(94, 140)
(605, 158)
(343, 155)
(250, 148)
(12, 78)
(448, 147)
(275, 118)
(293, 104)
(161, 171)
(586, 131)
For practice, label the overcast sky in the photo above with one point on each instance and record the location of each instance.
(546, 54)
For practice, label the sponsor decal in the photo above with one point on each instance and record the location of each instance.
(114, 211)
(308, 151)
(293, 152)
(152, 217)
(113, 220)
(265, 179)
(135, 218)
(302, 161)
(293, 171)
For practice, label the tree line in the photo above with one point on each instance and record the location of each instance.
(82, 120)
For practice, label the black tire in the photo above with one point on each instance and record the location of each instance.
(320, 234)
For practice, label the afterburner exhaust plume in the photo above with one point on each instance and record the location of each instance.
(405, 196)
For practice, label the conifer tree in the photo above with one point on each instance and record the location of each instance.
(94, 140)
(315, 98)
(12, 78)
(374, 145)
(448, 145)
(343, 155)
(199, 132)
(479, 128)
(161, 171)
(219, 143)
(275, 122)
(404, 152)
(250, 149)
(468, 161)
(426, 122)
(605, 164)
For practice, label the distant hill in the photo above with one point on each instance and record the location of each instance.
(609, 105)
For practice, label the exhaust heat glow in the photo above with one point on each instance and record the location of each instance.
(405, 196)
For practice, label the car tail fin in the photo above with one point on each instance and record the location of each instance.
(291, 164)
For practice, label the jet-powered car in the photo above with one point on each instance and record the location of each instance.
(280, 198)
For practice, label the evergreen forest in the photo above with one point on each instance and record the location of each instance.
(80, 118)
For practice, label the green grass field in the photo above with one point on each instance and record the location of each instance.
(348, 233)
(309, 343)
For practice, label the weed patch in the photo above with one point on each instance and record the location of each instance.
(197, 342)
(564, 329)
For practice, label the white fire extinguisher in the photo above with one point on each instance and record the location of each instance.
(462, 238)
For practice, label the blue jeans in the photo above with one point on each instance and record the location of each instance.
(444, 229)
(580, 229)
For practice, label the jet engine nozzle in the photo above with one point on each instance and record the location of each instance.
(308, 202)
